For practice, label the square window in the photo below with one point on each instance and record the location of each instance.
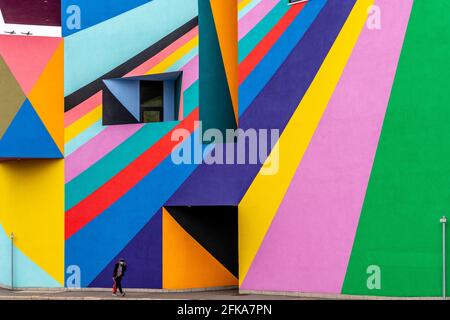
(142, 99)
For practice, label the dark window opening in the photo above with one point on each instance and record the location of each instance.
(152, 101)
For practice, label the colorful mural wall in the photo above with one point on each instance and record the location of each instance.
(118, 178)
(356, 88)
(31, 130)
(355, 207)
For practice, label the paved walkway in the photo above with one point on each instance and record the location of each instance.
(232, 294)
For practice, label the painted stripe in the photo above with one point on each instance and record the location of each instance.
(80, 47)
(256, 81)
(174, 57)
(93, 247)
(161, 56)
(294, 141)
(82, 124)
(260, 51)
(255, 16)
(103, 141)
(90, 89)
(83, 137)
(100, 145)
(190, 73)
(247, 9)
(82, 109)
(183, 61)
(95, 115)
(243, 4)
(102, 171)
(120, 184)
(77, 112)
(341, 153)
(254, 36)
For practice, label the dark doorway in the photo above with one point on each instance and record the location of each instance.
(213, 227)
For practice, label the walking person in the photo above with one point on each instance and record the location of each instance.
(118, 274)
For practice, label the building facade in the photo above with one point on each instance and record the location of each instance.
(110, 119)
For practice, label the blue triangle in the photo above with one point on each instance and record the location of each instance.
(127, 92)
(27, 137)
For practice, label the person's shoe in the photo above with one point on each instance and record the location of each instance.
(123, 294)
(114, 294)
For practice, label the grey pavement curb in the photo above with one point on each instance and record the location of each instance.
(332, 296)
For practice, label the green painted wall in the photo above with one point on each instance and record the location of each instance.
(409, 188)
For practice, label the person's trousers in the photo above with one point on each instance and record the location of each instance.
(117, 285)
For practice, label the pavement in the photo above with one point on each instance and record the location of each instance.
(229, 294)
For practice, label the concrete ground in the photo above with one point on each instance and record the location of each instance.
(229, 294)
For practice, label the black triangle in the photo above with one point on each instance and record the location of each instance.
(114, 112)
(215, 228)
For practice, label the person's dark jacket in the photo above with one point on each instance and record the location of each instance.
(116, 269)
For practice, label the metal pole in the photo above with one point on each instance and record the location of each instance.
(12, 260)
(443, 221)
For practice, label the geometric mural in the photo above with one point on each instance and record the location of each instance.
(32, 73)
(355, 88)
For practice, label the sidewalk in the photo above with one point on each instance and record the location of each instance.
(232, 294)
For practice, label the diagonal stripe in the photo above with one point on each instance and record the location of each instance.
(120, 184)
(82, 124)
(243, 4)
(317, 218)
(174, 57)
(82, 109)
(255, 16)
(100, 145)
(247, 9)
(133, 210)
(87, 105)
(254, 36)
(161, 56)
(176, 61)
(292, 145)
(84, 137)
(258, 79)
(102, 171)
(252, 60)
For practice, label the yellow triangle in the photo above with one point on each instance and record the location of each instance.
(186, 264)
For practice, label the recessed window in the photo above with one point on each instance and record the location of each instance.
(142, 99)
(152, 101)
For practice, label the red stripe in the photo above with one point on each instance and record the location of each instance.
(258, 53)
(120, 184)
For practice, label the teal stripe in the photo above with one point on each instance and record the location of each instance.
(251, 39)
(248, 8)
(83, 137)
(191, 98)
(115, 161)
